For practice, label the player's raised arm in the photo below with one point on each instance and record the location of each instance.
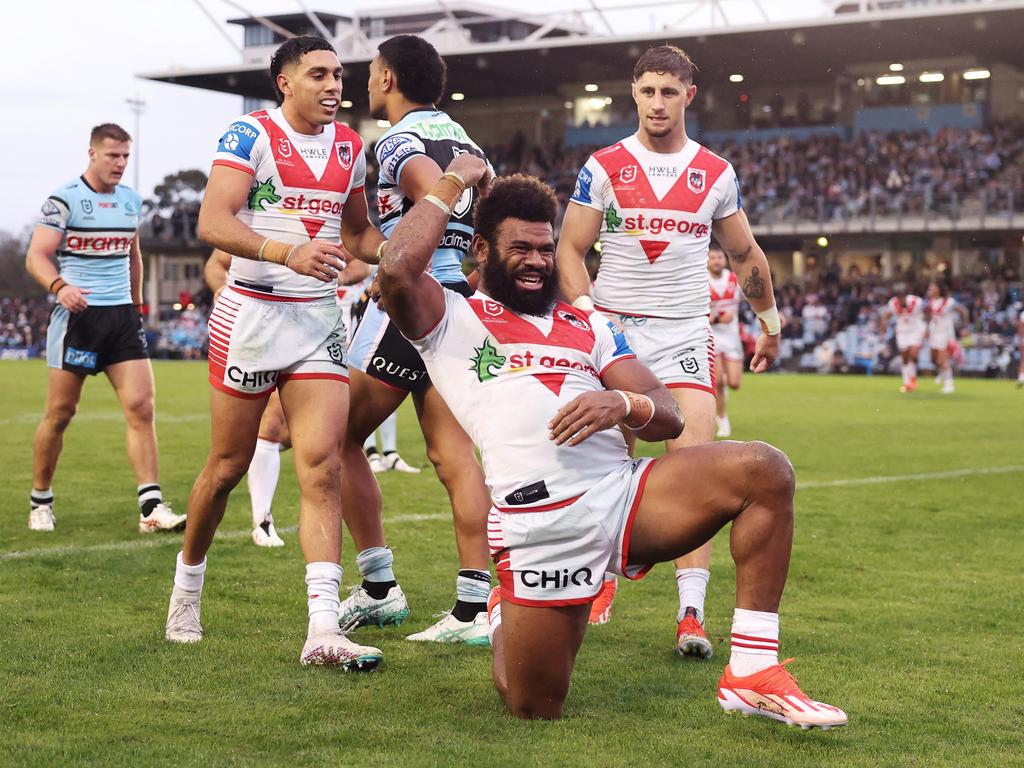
(750, 264)
(580, 230)
(414, 299)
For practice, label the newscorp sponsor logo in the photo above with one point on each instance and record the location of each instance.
(311, 205)
(99, 243)
(655, 225)
(556, 579)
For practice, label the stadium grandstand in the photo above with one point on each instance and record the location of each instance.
(863, 167)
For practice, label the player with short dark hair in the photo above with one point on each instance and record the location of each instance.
(407, 78)
(91, 225)
(543, 388)
(286, 187)
(653, 200)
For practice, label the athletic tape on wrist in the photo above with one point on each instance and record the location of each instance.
(432, 198)
(649, 418)
(771, 323)
(629, 405)
(584, 302)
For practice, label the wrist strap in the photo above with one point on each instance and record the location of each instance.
(584, 302)
(625, 398)
(456, 177)
(380, 250)
(56, 280)
(771, 323)
(432, 198)
(649, 418)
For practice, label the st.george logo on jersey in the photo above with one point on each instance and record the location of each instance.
(696, 179)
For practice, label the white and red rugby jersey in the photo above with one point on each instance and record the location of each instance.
(909, 313)
(942, 311)
(725, 297)
(658, 209)
(299, 188)
(504, 376)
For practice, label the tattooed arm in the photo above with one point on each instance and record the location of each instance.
(750, 264)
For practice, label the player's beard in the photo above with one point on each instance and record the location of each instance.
(501, 286)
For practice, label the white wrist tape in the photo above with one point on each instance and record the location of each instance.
(625, 398)
(584, 302)
(771, 323)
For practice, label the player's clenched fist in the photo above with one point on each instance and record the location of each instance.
(472, 170)
(72, 298)
(317, 259)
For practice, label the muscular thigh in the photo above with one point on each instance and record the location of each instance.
(442, 433)
(234, 426)
(272, 425)
(689, 495)
(316, 411)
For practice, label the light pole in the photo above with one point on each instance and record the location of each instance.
(137, 105)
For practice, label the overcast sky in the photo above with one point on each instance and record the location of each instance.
(66, 66)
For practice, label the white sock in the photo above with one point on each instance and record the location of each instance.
(493, 622)
(1020, 376)
(947, 375)
(912, 370)
(693, 586)
(189, 578)
(264, 471)
(322, 583)
(376, 564)
(370, 442)
(755, 641)
(905, 370)
(472, 585)
(388, 432)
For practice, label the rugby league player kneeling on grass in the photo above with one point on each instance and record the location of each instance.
(542, 387)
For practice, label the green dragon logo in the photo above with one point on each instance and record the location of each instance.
(612, 219)
(263, 192)
(487, 357)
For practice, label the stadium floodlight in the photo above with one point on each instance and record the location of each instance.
(891, 80)
(896, 67)
(346, 104)
(590, 87)
(596, 103)
(567, 104)
(458, 96)
(383, 124)
(977, 74)
(823, 241)
(737, 78)
(931, 77)
(607, 99)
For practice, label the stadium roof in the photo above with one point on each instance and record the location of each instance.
(789, 53)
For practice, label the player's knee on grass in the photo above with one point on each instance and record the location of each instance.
(540, 702)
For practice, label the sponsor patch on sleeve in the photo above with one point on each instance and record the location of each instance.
(54, 213)
(581, 194)
(393, 150)
(621, 345)
(239, 140)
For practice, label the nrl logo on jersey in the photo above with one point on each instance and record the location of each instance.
(284, 147)
(695, 179)
(628, 174)
(87, 206)
(344, 150)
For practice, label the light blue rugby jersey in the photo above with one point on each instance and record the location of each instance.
(433, 133)
(98, 233)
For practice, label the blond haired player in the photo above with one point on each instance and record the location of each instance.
(286, 187)
(725, 325)
(653, 200)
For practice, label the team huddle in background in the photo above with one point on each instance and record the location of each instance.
(552, 378)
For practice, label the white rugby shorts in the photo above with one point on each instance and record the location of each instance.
(941, 336)
(681, 353)
(909, 339)
(558, 555)
(728, 344)
(258, 342)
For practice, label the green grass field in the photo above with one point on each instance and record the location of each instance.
(904, 606)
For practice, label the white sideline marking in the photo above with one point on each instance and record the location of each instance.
(903, 478)
(157, 540)
(160, 539)
(33, 418)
